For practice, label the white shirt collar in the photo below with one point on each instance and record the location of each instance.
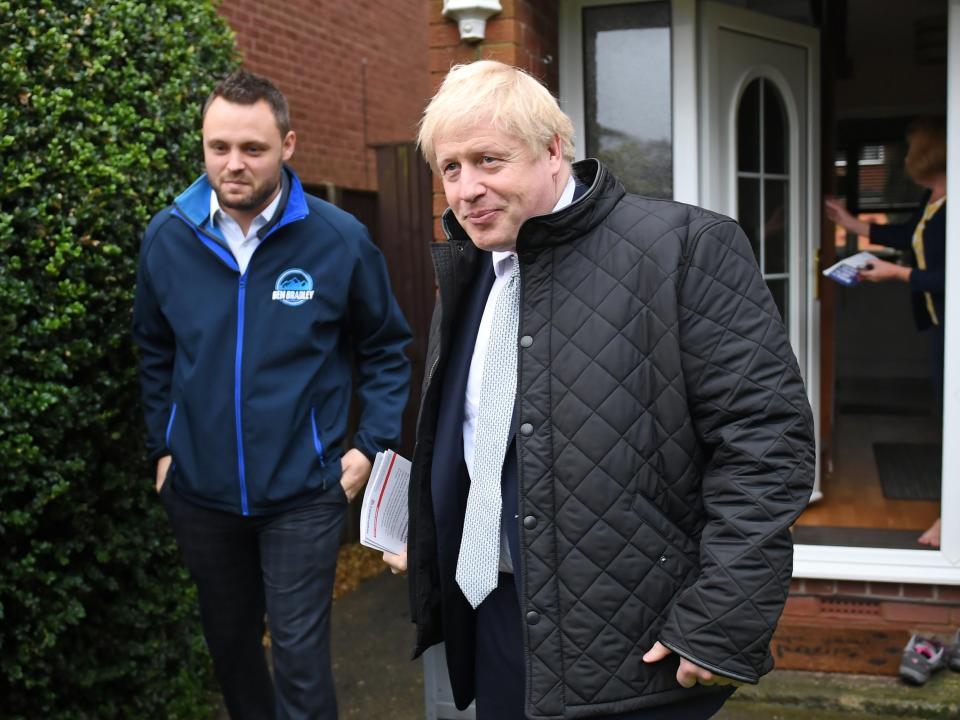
(258, 222)
(499, 257)
(502, 263)
(566, 197)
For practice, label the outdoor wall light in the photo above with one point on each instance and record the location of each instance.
(471, 16)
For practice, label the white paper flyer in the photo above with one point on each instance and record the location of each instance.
(846, 272)
(384, 514)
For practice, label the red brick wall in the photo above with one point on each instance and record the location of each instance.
(932, 608)
(314, 50)
(851, 626)
(524, 34)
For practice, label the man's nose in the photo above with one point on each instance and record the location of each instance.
(471, 184)
(235, 162)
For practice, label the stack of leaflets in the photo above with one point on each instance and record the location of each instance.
(846, 272)
(384, 514)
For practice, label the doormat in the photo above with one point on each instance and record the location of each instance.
(908, 471)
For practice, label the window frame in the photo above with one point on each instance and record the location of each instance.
(684, 123)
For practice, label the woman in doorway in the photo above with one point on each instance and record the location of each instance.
(923, 237)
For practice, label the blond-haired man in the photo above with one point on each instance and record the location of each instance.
(614, 437)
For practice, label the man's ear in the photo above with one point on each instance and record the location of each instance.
(555, 153)
(289, 144)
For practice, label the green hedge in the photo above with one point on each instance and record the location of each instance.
(98, 130)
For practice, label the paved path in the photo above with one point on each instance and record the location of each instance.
(372, 642)
(373, 638)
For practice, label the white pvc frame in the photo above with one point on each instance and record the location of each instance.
(814, 561)
(921, 566)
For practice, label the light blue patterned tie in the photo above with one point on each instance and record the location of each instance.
(479, 559)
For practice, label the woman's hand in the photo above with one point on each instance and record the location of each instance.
(882, 271)
(836, 210)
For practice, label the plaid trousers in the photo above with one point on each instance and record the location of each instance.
(281, 566)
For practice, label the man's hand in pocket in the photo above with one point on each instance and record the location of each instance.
(356, 469)
(163, 466)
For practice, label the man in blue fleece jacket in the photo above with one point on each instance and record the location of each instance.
(255, 303)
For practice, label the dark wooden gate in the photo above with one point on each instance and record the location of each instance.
(405, 224)
(400, 220)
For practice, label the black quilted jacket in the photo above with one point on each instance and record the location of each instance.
(665, 447)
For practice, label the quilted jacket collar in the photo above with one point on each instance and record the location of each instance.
(575, 220)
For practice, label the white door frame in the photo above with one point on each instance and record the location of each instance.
(923, 566)
(920, 566)
(811, 561)
(820, 561)
(950, 500)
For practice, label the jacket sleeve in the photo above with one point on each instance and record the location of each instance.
(931, 280)
(154, 336)
(750, 411)
(380, 334)
(894, 236)
(899, 235)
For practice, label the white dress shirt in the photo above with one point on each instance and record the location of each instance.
(502, 265)
(242, 246)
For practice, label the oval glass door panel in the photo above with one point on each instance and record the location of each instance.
(763, 184)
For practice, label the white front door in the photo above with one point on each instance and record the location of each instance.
(758, 150)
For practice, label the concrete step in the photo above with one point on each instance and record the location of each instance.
(796, 695)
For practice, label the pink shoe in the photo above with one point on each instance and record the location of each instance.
(921, 658)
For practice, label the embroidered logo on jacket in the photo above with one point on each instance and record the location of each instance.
(294, 287)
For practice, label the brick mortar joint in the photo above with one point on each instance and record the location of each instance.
(877, 599)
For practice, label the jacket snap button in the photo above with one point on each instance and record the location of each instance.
(533, 617)
(529, 522)
(663, 559)
(526, 341)
(526, 429)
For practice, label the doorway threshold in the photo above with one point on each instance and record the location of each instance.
(858, 537)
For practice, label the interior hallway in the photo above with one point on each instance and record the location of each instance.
(868, 412)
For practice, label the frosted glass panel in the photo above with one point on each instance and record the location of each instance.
(627, 94)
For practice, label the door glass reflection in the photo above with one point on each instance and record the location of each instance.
(627, 94)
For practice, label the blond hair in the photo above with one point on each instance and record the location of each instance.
(926, 148)
(510, 99)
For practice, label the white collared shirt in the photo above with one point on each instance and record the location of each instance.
(242, 246)
(502, 266)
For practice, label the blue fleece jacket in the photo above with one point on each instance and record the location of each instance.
(247, 379)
